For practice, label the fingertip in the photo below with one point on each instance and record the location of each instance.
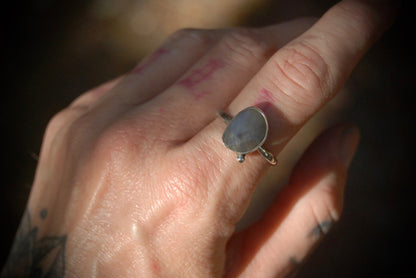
(376, 15)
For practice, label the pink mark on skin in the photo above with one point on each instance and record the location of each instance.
(202, 74)
(155, 266)
(150, 60)
(198, 95)
(265, 100)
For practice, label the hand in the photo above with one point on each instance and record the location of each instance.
(133, 178)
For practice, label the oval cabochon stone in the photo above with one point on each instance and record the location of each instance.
(247, 131)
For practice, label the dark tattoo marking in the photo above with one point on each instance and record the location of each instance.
(34, 155)
(293, 261)
(321, 229)
(291, 269)
(43, 213)
(32, 257)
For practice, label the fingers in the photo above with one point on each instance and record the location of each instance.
(150, 77)
(77, 108)
(64, 119)
(293, 85)
(161, 68)
(302, 213)
(219, 76)
(306, 73)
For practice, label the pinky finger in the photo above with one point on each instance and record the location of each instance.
(301, 214)
(90, 97)
(77, 108)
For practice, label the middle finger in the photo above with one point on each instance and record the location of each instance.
(214, 80)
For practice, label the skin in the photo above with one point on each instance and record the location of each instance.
(134, 181)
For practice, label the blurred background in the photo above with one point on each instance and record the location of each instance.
(54, 50)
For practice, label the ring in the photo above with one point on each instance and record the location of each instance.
(246, 133)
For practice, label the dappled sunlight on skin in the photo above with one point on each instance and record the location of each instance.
(277, 177)
(182, 204)
(311, 202)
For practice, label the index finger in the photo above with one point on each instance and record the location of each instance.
(305, 74)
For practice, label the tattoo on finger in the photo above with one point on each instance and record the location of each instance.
(321, 229)
(292, 268)
(200, 75)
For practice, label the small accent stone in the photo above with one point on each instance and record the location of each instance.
(241, 157)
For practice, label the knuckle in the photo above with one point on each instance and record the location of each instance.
(62, 135)
(63, 118)
(306, 21)
(199, 36)
(56, 122)
(246, 46)
(300, 69)
(77, 132)
(118, 141)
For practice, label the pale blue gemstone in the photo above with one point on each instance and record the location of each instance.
(247, 131)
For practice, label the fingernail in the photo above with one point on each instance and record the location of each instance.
(350, 137)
